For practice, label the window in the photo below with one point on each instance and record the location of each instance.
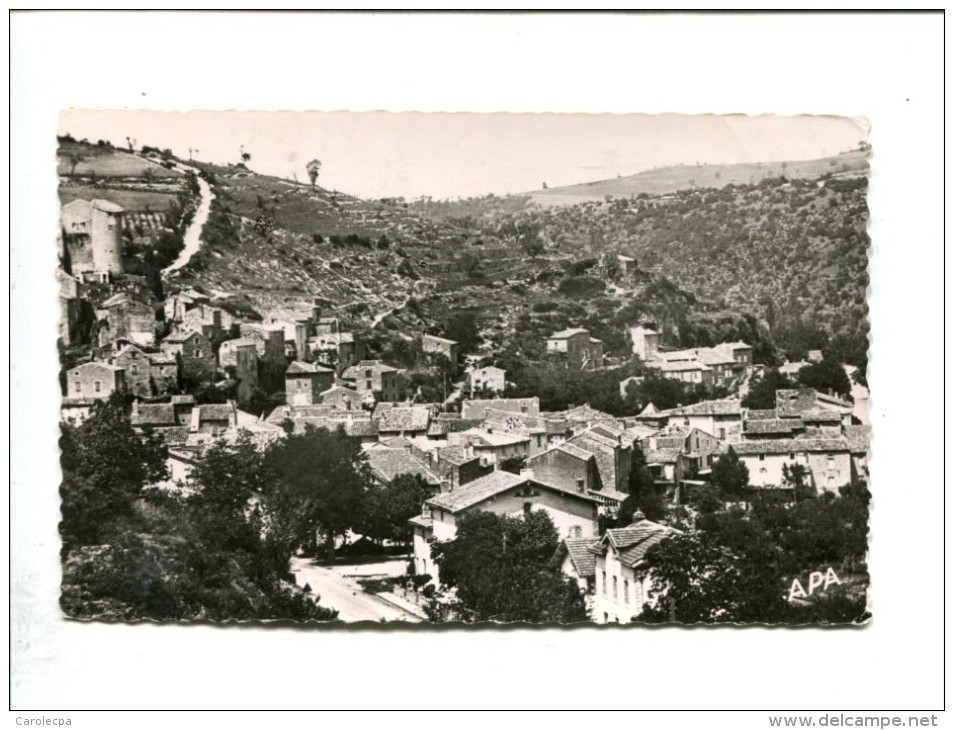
(615, 587)
(96, 386)
(761, 457)
(626, 590)
(791, 456)
(368, 385)
(721, 434)
(198, 352)
(604, 583)
(527, 506)
(135, 370)
(77, 387)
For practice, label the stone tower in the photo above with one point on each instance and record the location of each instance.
(246, 372)
(106, 221)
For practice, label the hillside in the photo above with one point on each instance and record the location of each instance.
(668, 180)
(158, 200)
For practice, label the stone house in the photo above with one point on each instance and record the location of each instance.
(492, 447)
(340, 398)
(721, 418)
(487, 381)
(577, 348)
(194, 353)
(376, 378)
(305, 382)
(449, 349)
(828, 461)
(94, 381)
(120, 316)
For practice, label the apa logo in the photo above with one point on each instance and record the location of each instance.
(816, 580)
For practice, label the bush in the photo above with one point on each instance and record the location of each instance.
(545, 306)
(429, 590)
(581, 286)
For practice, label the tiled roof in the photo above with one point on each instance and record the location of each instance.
(98, 366)
(728, 407)
(859, 438)
(185, 399)
(439, 340)
(477, 408)
(678, 366)
(573, 450)
(494, 440)
(455, 455)
(583, 559)
(775, 425)
(633, 542)
(605, 429)
(663, 456)
(214, 411)
(443, 426)
(153, 414)
(820, 416)
(387, 464)
(161, 358)
(765, 414)
(786, 446)
(611, 496)
(477, 491)
(280, 413)
(564, 334)
(604, 452)
(405, 418)
(306, 368)
(421, 520)
(105, 205)
(356, 427)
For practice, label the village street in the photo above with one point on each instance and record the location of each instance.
(344, 594)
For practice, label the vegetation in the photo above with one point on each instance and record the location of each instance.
(503, 571)
(736, 566)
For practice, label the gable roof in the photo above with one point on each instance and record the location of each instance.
(442, 426)
(389, 463)
(632, 543)
(494, 439)
(402, 418)
(97, 365)
(153, 414)
(773, 426)
(477, 491)
(438, 340)
(657, 457)
(477, 408)
(787, 446)
(582, 558)
(564, 334)
(859, 438)
(182, 335)
(726, 407)
(298, 367)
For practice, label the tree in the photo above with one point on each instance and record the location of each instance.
(313, 168)
(642, 493)
(389, 507)
(796, 478)
(322, 479)
(106, 465)
(696, 577)
(75, 159)
(761, 394)
(828, 375)
(503, 570)
(730, 474)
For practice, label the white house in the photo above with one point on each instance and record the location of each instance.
(623, 580)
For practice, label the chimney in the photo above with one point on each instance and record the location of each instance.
(446, 486)
(652, 443)
(581, 485)
(526, 473)
(316, 309)
(135, 407)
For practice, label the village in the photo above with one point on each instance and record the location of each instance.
(476, 450)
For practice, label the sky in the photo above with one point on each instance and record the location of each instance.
(410, 154)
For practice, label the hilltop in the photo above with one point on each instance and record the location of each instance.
(668, 180)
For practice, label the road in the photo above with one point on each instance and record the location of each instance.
(336, 591)
(192, 238)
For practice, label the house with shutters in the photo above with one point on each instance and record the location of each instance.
(720, 418)
(305, 382)
(576, 348)
(828, 461)
(492, 447)
(373, 377)
(88, 383)
(574, 513)
(488, 380)
(577, 559)
(622, 574)
(194, 353)
(449, 349)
